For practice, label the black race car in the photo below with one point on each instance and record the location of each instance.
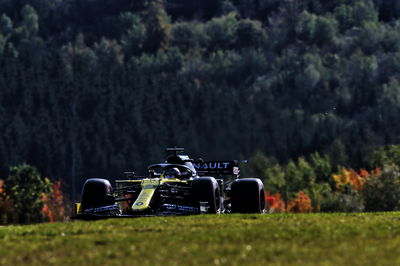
(178, 186)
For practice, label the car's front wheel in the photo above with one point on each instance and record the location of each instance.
(96, 193)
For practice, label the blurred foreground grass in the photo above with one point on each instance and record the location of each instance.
(280, 239)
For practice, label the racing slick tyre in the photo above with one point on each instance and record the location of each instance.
(96, 193)
(206, 189)
(247, 196)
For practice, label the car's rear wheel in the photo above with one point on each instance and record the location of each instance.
(247, 196)
(206, 189)
(96, 193)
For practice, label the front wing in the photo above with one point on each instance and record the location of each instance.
(113, 211)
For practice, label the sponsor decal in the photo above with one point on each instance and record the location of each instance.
(150, 187)
(204, 207)
(236, 170)
(152, 181)
(139, 203)
(180, 208)
(212, 165)
(106, 209)
(145, 194)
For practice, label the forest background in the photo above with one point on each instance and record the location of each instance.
(306, 90)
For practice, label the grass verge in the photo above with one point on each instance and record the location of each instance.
(278, 239)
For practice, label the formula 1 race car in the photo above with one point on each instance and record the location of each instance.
(178, 186)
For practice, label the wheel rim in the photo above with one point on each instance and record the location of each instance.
(217, 201)
(262, 200)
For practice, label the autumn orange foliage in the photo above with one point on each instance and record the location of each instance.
(349, 177)
(46, 210)
(301, 204)
(274, 202)
(7, 213)
(53, 207)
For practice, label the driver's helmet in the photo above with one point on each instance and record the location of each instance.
(172, 173)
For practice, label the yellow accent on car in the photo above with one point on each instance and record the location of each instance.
(78, 208)
(149, 186)
(142, 202)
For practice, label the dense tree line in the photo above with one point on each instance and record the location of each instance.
(93, 88)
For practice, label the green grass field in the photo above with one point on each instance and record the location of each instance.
(278, 239)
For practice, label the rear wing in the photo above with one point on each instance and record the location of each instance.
(217, 168)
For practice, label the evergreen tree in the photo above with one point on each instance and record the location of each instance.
(157, 26)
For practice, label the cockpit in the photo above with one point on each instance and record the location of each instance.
(181, 163)
(185, 172)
